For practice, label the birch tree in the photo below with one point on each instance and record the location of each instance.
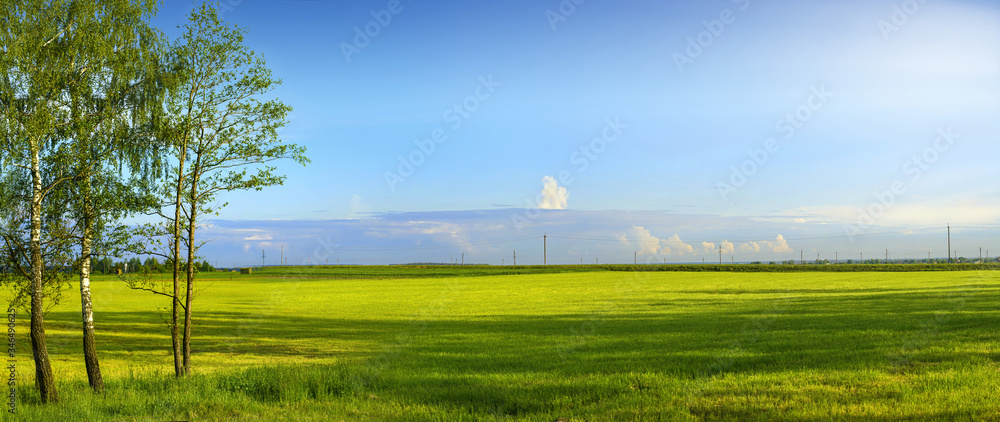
(73, 73)
(32, 98)
(115, 55)
(224, 137)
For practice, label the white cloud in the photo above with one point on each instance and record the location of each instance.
(905, 211)
(254, 234)
(676, 246)
(553, 197)
(461, 235)
(750, 247)
(727, 247)
(778, 245)
(643, 242)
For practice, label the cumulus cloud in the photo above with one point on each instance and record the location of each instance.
(645, 243)
(553, 197)
(727, 247)
(778, 245)
(641, 240)
(677, 246)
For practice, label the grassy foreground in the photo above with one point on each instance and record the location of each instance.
(578, 346)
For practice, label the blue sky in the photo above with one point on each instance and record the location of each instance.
(660, 128)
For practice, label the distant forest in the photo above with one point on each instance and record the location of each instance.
(135, 265)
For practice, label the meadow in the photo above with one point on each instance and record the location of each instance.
(537, 344)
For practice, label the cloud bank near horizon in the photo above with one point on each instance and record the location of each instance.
(490, 237)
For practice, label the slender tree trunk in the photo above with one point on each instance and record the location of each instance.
(43, 368)
(89, 343)
(192, 224)
(188, 298)
(176, 252)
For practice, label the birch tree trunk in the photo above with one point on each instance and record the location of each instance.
(89, 343)
(192, 224)
(175, 337)
(43, 368)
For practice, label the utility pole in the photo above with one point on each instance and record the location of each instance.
(949, 244)
(545, 249)
(635, 257)
(262, 257)
(886, 256)
(515, 257)
(836, 257)
(862, 257)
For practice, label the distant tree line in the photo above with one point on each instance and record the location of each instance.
(108, 266)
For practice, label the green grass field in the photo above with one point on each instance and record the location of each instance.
(586, 345)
